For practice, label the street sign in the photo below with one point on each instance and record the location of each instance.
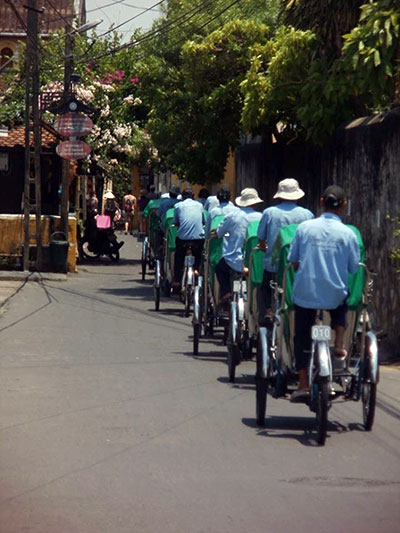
(73, 150)
(73, 124)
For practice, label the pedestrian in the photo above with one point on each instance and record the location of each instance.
(93, 202)
(273, 219)
(129, 206)
(324, 251)
(152, 194)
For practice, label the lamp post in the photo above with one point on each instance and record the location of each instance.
(68, 69)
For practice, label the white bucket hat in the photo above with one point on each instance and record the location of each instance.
(248, 197)
(289, 189)
(109, 195)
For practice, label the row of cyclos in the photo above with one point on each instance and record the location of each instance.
(272, 346)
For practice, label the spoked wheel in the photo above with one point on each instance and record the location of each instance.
(188, 299)
(322, 405)
(196, 338)
(144, 258)
(86, 253)
(368, 397)
(233, 345)
(144, 265)
(157, 294)
(263, 362)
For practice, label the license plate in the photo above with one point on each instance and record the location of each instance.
(321, 333)
(239, 286)
(189, 260)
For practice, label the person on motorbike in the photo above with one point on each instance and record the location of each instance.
(273, 219)
(233, 230)
(112, 210)
(225, 206)
(324, 251)
(189, 218)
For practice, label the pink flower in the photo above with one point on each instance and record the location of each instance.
(119, 75)
(134, 80)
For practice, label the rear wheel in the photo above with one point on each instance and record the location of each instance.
(261, 381)
(196, 338)
(86, 253)
(144, 258)
(368, 397)
(157, 293)
(232, 343)
(188, 298)
(322, 410)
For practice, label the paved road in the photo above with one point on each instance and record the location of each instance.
(109, 424)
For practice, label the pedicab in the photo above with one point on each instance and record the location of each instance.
(151, 241)
(353, 378)
(160, 280)
(243, 322)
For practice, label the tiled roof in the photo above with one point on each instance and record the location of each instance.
(55, 11)
(16, 137)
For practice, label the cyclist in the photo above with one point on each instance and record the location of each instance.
(189, 218)
(225, 206)
(324, 251)
(168, 203)
(272, 220)
(233, 229)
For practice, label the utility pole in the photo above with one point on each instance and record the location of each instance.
(68, 68)
(32, 186)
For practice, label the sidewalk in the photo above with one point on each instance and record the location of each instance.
(12, 281)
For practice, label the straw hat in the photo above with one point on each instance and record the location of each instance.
(289, 189)
(248, 197)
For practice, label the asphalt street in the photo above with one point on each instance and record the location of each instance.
(108, 423)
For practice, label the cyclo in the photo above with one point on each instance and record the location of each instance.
(151, 241)
(354, 378)
(206, 290)
(243, 320)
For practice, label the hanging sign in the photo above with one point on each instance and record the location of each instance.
(73, 150)
(73, 124)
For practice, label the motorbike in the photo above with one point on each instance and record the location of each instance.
(99, 239)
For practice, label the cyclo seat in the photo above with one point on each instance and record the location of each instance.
(214, 249)
(253, 260)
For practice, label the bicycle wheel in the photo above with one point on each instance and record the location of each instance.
(188, 298)
(144, 258)
(196, 338)
(262, 363)
(233, 344)
(322, 409)
(368, 397)
(157, 294)
(86, 253)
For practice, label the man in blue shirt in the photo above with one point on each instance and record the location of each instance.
(189, 219)
(323, 251)
(225, 206)
(168, 203)
(233, 230)
(272, 220)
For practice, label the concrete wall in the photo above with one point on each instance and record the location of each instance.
(364, 158)
(12, 237)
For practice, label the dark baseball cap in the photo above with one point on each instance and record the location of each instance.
(333, 196)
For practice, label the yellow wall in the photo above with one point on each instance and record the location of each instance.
(12, 235)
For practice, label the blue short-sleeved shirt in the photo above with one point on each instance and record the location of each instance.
(222, 209)
(166, 203)
(327, 251)
(211, 202)
(273, 219)
(235, 225)
(189, 215)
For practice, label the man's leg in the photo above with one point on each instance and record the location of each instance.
(264, 298)
(339, 323)
(197, 249)
(223, 273)
(304, 319)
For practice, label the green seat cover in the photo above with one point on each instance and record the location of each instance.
(214, 249)
(153, 204)
(168, 219)
(257, 266)
(279, 257)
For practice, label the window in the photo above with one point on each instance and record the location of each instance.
(5, 55)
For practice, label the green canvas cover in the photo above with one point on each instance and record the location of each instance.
(250, 242)
(215, 249)
(279, 257)
(153, 204)
(168, 219)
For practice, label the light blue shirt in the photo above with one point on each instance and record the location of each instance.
(326, 250)
(189, 215)
(222, 209)
(233, 229)
(273, 219)
(166, 203)
(211, 202)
